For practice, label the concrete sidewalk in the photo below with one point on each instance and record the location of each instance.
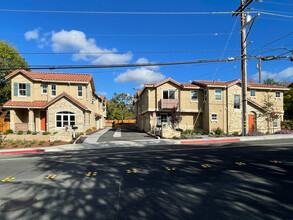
(93, 138)
(147, 142)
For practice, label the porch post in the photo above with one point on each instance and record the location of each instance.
(31, 120)
(12, 119)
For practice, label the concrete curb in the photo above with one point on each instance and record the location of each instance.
(209, 141)
(23, 151)
(152, 135)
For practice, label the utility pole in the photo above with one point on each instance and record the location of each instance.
(259, 69)
(241, 11)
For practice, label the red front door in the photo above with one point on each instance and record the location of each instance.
(251, 123)
(43, 120)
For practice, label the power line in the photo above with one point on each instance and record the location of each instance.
(118, 12)
(52, 67)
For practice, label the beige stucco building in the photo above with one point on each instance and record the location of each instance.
(42, 101)
(207, 105)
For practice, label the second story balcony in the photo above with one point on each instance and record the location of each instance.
(168, 103)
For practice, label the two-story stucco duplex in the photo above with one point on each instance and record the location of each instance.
(213, 103)
(42, 101)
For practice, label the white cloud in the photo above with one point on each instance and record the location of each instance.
(32, 35)
(76, 41)
(286, 74)
(102, 93)
(145, 60)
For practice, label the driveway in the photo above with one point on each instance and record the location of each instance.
(118, 134)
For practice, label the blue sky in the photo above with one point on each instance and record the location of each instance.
(80, 33)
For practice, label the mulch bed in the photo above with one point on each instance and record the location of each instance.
(15, 145)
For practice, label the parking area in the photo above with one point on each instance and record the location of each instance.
(118, 134)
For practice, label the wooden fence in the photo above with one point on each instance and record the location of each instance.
(126, 121)
(4, 124)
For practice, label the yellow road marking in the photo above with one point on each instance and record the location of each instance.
(8, 179)
(50, 176)
(169, 169)
(53, 176)
(132, 171)
(206, 166)
(240, 163)
(275, 161)
(47, 177)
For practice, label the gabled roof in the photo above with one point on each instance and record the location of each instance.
(254, 103)
(34, 104)
(48, 76)
(265, 86)
(216, 83)
(65, 95)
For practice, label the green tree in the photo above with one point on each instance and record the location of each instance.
(288, 103)
(9, 57)
(268, 113)
(120, 107)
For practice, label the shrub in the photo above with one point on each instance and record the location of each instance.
(89, 130)
(46, 133)
(25, 142)
(34, 141)
(55, 132)
(201, 132)
(20, 132)
(27, 145)
(28, 132)
(235, 133)
(15, 146)
(284, 132)
(218, 131)
(10, 141)
(51, 144)
(41, 142)
(187, 131)
(34, 133)
(94, 128)
(8, 131)
(256, 133)
(18, 141)
(287, 124)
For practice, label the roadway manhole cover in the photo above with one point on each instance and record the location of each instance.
(17, 204)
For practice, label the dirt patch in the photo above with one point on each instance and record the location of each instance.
(10, 144)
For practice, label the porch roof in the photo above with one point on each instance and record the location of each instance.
(34, 104)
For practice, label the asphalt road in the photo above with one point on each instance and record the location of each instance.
(251, 180)
(123, 135)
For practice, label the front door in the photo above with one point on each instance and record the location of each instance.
(251, 123)
(43, 120)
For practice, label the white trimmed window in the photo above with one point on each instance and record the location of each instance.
(278, 95)
(169, 94)
(79, 90)
(64, 118)
(22, 89)
(53, 90)
(252, 93)
(44, 89)
(275, 122)
(214, 117)
(218, 94)
(194, 95)
(236, 101)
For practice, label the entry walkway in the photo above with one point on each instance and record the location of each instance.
(123, 135)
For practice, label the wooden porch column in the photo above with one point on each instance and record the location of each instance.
(31, 120)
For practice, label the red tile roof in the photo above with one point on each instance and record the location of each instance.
(255, 103)
(216, 83)
(64, 94)
(260, 85)
(171, 80)
(48, 76)
(36, 104)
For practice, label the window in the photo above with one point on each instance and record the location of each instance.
(79, 91)
(218, 94)
(64, 118)
(44, 89)
(252, 93)
(194, 95)
(164, 118)
(169, 94)
(214, 117)
(205, 94)
(275, 122)
(53, 90)
(278, 95)
(236, 101)
(22, 89)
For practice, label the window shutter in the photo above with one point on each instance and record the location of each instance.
(28, 90)
(159, 122)
(15, 89)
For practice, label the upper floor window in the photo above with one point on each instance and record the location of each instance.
(214, 117)
(278, 95)
(205, 94)
(218, 94)
(53, 90)
(22, 89)
(79, 91)
(236, 101)
(169, 94)
(194, 95)
(44, 89)
(252, 93)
